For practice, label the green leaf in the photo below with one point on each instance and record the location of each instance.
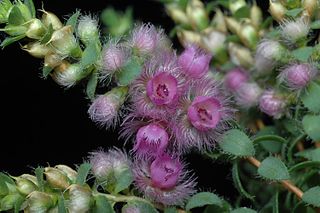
(315, 25)
(310, 97)
(102, 205)
(243, 210)
(46, 71)
(310, 124)
(310, 154)
(129, 73)
(170, 210)
(243, 12)
(72, 21)
(83, 172)
(46, 38)
(61, 205)
(92, 85)
(9, 40)
(39, 174)
(312, 196)
(6, 178)
(143, 207)
(123, 180)
(237, 181)
(202, 199)
(294, 12)
(18, 204)
(15, 16)
(3, 187)
(90, 55)
(9, 201)
(273, 168)
(303, 53)
(31, 7)
(237, 143)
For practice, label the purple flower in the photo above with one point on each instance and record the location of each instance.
(248, 95)
(272, 104)
(235, 78)
(151, 140)
(297, 76)
(194, 62)
(164, 180)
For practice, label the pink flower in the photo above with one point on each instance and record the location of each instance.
(194, 62)
(202, 117)
(298, 76)
(272, 104)
(235, 78)
(164, 180)
(248, 95)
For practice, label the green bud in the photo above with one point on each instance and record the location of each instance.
(52, 60)
(36, 29)
(218, 21)
(15, 30)
(36, 49)
(9, 201)
(56, 178)
(186, 37)
(24, 11)
(177, 14)
(40, 202)
(197, 14)
(50, 18)
(64, 41)
(235, 5)
(80, 198)
(68, 75)
(71, 174)
(248, 35)
(88, 29)
(233, 25)
(25, 186)
(310, 6)
(5, 7)
(30, 177)
(277, 10)
(240, 55)
(256, 15)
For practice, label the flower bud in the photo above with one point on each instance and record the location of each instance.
(256, 15)
(52, 60)
(131, 208)
(233, 25)
(197, 14)
(40, 202)
(25, 186)
(88, 29)
(214, 42)
(36, 29)
(248, 95)
(71, 174)
(104, 109)
(248, 35)
(194, 62)
(188, 37)
(68, 75)
(277, 10)
(295, 31)
(32, 178)
(5, 8)
(49, 18)
(36, 49)
(151, 140)
(56, 178)
(235, 78)
(240, 55)
(80, 199)
(177, 14)
(15, 30)
(272, 104)
(236, 5)
(218, 21)
(8, 202)
(24, 10)
(310, 6)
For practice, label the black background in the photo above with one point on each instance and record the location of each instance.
(44, 124)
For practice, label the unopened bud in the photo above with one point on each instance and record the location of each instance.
(5, 7)
(295, 31)
(218, 21)
(36, 49)
(30, 177)
(235, 5)
(177, 14)
(310, 6)
(52, 60)
(36, 29)
(9, 201)
(80, 198)
(15, 30)
(277, 10)
(248, 35)
(49, 18)
(71, 173)
(248, 95)
(188, 37)
(240, 55)
(256, 15)
(56, 178)
(64, 41)
(68, 75)
(40, 202)
(197, 14)
(25, 186)
(233, 25)
(272, 104)
(88, 29)
(25, 11)
(214, 41)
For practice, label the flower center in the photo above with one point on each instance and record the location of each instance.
(162, 91)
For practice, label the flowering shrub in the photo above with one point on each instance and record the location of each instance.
(242, 91)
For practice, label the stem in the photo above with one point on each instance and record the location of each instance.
(285, 183)
(260, 124)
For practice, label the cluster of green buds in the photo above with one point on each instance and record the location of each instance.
(230, 30)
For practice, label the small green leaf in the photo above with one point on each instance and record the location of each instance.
(102, 205)
(10, 40)
(243, 12)
(310, 97)
(303, 53)
(312, 196)
(6, 178)
(310, 124)
(294, 12)
(202, 199)
(273, 168)
(123, 180)
(39, 174)
(46, 38)
(61, 205)
(315, 25)
(243, 210)
(143, 207)
(237, 181)
(90, 55)
(31, 7)
(46, 71)
(72, 21)
(18, 204)
(310, 154)
(129, 73)
(83, 172)
(92, 85)
(3, 187)
(170, 210)
(237, 143)
(15, 16)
